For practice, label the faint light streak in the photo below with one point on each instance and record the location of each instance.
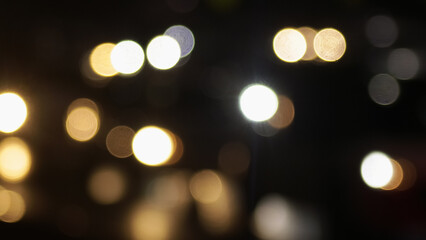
(15, 159)
(100, 60)
(127, 57)
(381, 31)
(13, 112)
(309, 34)
(383, 89)
(163, 52)
(234, 158)
(206, 186)
(16, 209)
(119, 141)
(377, 169)
(403, 63)
(289, 45)
(82, 121)
(184, 37)
(258, 102)
(106, 185)
(284, 115)
(329, 44)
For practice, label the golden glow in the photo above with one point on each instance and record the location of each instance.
(127, 57)
(234, 158)
(16, 209)
(100, 60)
(82, 122)
(329, 44)
(147, 222)
(163, 52)
(309, 34)
(5, 201)
(153, 146)
(403, 63)
(106, 185)
(206, 186)
(377, 169)
(289, 45)
(13, 112)
(258, 102)
(383, 89)
(284, 115)
(15, 159)
(119, 141)
(184, 37)
(397, 177)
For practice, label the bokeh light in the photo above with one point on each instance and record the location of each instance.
(383, 89)
(163, 52)
(107, 185)
(16, 209)
(381, 31)
(264, 129)
(127, 57)
(289, 45)
(82, 121)
(153, 146)
(309, 34)
(403, 63)
(377, 169)
(409, 175)
(13, 112)
(284, 115)
(397, 177)
(234, 158)
(184, 37)
(329, 44)
(100, 60)
(5, 201)
(119, 141)
(206, 186)
(15, 159)
(258, 102)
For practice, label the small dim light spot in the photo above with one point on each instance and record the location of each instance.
(152, 146)
(15, 159)
(383, 89)
(16, 209)
(289, 45)
(284, 115)
(100, 60)
(234, 158)
(127, 57)
(397, 177)
(258, 103)
(329, 44)
(381, 31)
(82, 124)
(403, 63)
(119, 141)
(163, 52)
(206, 186)
(106, 185)
(13, 112)
(184, 37)
(309, 34)
(377, 170)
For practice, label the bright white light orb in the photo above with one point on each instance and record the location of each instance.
(163, 52)
(258, 102)
(152, 146)
(289, 45)
(377, 170)
(13, 112)
(127, 57)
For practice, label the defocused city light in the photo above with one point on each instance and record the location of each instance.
(206, 186)
(258, 103)
(403, 63)
(119, 141)
(381, 31)
(5, 201)
(16, 209)
(163, 52)
(289, 45)
(284, 115)
(309, 34)
(82, 124)
(234, 158)
(184, 37)
(13, 112)
(127, 57)
(377, 169)
(106, 185)
(100, 60)
(329, 44)
(397, 177)
(383, 89)
(15, 159)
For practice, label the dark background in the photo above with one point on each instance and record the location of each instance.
(314, 162)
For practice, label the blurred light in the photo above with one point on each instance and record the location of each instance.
(82, 122)
(15, 159)
(184, 37)
(329, 44)
(106, 185)
(383, 89)
(163, 52)
(409, 174)
(309, 34)
(147, 222)
(153, 146)
(127, 57)
(234, 158)
(13, 112)
(289, 45)
(83, 102)
(377, 170)
(381, 31)
(16, 209)
(5, 201)
(258, 102)
(119, 141)
(100, 60)
(182, 6)
(177, 151)
(403, 63)
(90, 76)
(397, 177)
(206, 186)
(264, 129)
(284, 115)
